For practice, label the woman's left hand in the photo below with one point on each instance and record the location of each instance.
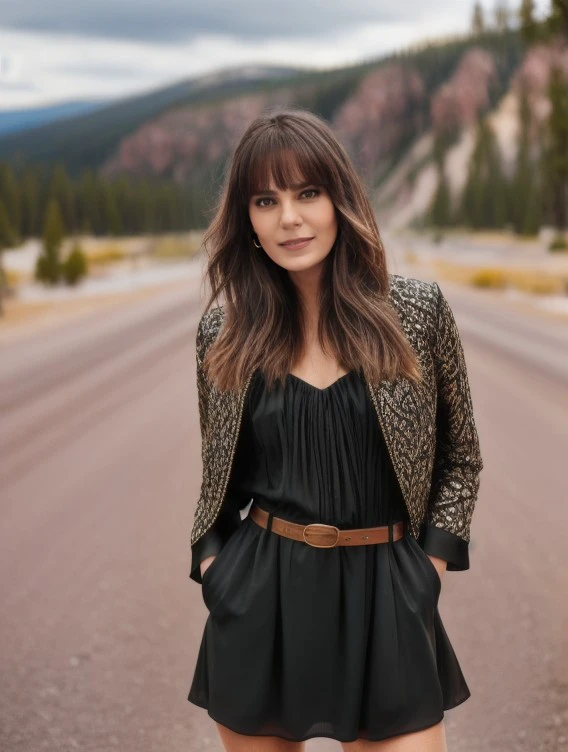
(440, 565)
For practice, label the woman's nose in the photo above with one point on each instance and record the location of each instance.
(290, 214)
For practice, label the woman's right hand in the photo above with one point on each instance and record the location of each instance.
(205, 564)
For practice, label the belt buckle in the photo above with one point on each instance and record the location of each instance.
(320, 525)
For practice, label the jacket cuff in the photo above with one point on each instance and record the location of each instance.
(445, 545)
(208, 545)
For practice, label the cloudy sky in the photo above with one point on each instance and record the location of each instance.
(65, 50)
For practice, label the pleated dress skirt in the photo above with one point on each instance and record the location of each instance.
(302, 642)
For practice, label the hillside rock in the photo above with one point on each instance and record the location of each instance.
(384, 112)
(189, 138)
(457, 103)
(534, 75)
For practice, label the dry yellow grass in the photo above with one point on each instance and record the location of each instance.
(174, 246)
(105, 254)
(532, 281)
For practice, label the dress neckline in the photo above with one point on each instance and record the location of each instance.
(321, 389)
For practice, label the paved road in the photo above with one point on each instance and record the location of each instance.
(99, 473)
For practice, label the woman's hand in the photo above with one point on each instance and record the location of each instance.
(207, 561)
(440, 565)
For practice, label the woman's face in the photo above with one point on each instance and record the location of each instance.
(303, 211)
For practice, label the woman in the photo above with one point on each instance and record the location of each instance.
(334, 399)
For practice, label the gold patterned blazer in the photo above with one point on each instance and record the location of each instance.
(429, 430)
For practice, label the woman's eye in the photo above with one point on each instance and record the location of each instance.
(312, 193)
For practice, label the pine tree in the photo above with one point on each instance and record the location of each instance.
(558, 20)
(9, 196)
(90, 203)
(440, 209)
(147, 207)
(8, 238)
(525, 210)
(556, 150)
(48, 267)
(61, 189)
(29, 202)
(123, 199)
(75, 266)
(529, 26)
(502, 15)
(440, 212)
(111, 216)
(484, 200)
(477, 20)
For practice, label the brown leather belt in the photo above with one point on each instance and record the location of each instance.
(326, 536)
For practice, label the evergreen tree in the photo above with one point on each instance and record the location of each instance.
(525, 210)
(111, 217)
(146, 207)
(477, 20)
(502, 15)
(75, 266)
(48, 267)
(30, 191)
(62, 190)
(123, 199)
(90, 203)
(8, 238)
(10, 197)
(440, 209)
(558, 20)
(484, 200)
(529, 26)
(556, 149)
(497, 188)
(440, 212)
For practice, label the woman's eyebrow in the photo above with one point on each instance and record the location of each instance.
(295, 186)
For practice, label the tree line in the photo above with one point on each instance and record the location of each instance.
(36, 201)
(94, 205)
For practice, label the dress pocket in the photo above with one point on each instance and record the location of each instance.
(429, 565)
(208, 577)
(433, 571)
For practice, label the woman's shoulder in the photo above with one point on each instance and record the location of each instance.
(416, 302)
(409, 292)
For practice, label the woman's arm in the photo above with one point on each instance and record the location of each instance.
(228, 520)
(458, 462)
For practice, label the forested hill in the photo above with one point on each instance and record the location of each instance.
(378, 109)
(428, 128)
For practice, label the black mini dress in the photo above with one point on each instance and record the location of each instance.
(301, 642)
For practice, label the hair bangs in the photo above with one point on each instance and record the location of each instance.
(284, 158)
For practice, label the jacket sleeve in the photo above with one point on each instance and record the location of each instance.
(201, 379)
(457, 462)
(229, 518)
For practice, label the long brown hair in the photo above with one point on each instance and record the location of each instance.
(263, 324)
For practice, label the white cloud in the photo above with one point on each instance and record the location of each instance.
(40, 67)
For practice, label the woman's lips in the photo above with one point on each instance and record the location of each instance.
(297, 244)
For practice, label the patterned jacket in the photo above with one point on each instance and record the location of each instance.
(429, 428)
